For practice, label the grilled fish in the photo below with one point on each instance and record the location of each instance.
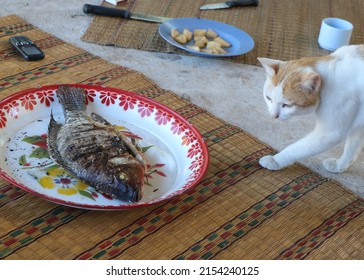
(91, 149)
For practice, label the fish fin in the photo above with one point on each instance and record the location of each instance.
(53, 129)
(97, 118)
(71, 98)
(134, 150)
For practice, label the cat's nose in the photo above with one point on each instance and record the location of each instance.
(275, 115)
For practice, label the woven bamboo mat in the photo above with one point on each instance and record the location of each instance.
(238, 211)
(281, 29)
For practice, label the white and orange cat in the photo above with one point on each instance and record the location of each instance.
(331, 86)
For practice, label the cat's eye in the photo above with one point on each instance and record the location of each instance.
(268, 98)
(287, 105)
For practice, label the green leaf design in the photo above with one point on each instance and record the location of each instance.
(144, 149)
(33, 139)
(86, 194)
(39, 153)
(23, 160)
(147, 183)
(52, 167)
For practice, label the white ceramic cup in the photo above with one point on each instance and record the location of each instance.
(334, 33)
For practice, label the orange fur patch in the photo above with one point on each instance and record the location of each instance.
(291, 74)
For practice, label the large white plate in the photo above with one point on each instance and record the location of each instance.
(241, 42)
(177, 155)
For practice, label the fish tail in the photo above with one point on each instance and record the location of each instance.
(53, 129)
(71, 98)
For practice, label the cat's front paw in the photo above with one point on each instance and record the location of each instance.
(331, 165)
(269, 163)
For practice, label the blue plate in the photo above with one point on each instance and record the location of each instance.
(241, 42)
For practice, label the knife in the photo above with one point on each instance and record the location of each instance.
(230, 4)
(113, 12)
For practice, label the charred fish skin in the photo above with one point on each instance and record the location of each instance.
(94, 151)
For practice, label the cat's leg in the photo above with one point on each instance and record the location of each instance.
(312, 144)
(352, 149)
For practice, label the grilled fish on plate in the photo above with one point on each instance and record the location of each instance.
(91, 149)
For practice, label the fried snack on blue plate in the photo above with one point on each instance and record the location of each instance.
(211, 34)
(174, 33)
(181, 38)
(223, 43)
(199, 32)
(188, 34)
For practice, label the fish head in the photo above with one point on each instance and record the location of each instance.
(127, 193)
(130, 184)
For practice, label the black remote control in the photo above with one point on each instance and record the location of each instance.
(27, 48)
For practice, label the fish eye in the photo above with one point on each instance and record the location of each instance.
(123, 176)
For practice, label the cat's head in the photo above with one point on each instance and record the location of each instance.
(291, 88)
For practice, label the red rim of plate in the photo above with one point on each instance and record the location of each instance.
(200, 140)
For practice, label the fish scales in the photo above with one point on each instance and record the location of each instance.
(91, 149)
(94, 143)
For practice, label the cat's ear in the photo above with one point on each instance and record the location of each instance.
(311, 82)
(271, 66)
